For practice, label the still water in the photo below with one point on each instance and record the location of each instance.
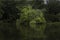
(11, 31)
(33, 31)
(50, 31)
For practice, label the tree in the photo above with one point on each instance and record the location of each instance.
(9, 16)
(30, 14)
(10, 11)
(38, 4)
(31, 17)
(53, 8)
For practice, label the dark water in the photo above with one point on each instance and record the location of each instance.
(9, 31)
(48, 31)
(33, 32)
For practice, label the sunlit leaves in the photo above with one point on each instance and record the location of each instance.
(31, 14)
(35, 19)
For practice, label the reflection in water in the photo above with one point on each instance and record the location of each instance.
(33, 30)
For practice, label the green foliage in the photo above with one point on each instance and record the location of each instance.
(1, 9)
(9, 10)
(30, 14)
(32, 23)
(34, 20)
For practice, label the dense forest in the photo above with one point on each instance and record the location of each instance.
(29, 20)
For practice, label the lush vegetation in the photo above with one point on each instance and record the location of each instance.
(29, 20)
